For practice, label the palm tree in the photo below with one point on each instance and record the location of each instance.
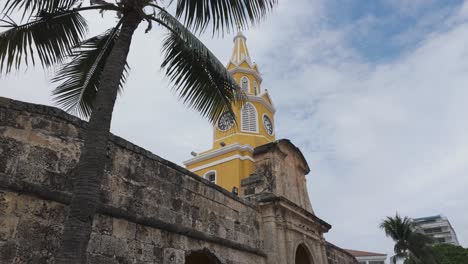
(411, 246)
(93, 70)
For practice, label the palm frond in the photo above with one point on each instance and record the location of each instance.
(399, 229)
(199, 78)
(223, 15)
(50, 35)
(80, 78)
(36, 6)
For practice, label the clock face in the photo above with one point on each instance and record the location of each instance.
(225, 122)
(268, 125)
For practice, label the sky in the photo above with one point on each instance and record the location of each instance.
(374, 93)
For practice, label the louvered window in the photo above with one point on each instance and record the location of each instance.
(245, 84)
(249, 118)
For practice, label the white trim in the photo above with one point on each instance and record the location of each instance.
(237, 156)
(238, 69)
(265, 93)
(209, 172)
(248, 83)
(255, 118)
(271, 121)
(262, 100)
(238, 51)
(218, 152)
(243, 134)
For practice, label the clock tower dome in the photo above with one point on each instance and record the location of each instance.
(231, 157)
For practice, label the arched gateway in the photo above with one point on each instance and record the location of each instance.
(201, 257)
(302, 255)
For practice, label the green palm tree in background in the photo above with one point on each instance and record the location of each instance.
(410, 246)
(92, 70)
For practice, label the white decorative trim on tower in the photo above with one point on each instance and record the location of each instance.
(214, 163)
(237, 69)
(260, 99)
(217, 152)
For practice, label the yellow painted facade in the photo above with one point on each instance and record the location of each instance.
(231, 157)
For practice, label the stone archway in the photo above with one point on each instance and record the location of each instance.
(201, 257)
(302, 255)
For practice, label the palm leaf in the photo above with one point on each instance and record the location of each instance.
(223, 15)
(80, 78)
(199, 78)
(37, 6)
(50, 35)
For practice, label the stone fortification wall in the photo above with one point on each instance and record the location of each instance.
(338, 255)
(153, 211)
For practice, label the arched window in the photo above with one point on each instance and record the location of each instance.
(245, 84)
(210, 176)
(249, 118)
(256, 90)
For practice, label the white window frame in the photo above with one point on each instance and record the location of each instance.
(242, 118)
(205, 176)
(256, 89)
(248, 84)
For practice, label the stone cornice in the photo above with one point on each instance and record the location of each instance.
(274, 145)
(270, 198)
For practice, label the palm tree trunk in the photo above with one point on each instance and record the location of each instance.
(90, 169)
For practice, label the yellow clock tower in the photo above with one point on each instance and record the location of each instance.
(231, 158)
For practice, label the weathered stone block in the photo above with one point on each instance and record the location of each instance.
(7, 202)
(8, 251)
(123, 229)
(173, 256)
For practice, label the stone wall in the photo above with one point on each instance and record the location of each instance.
(284, 168)
(152, 210)
(278, 186)
(338, 255)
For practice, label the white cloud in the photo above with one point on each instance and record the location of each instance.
(393, 138)
(379, 138)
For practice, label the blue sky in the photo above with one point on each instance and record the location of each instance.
(383, 22)
(373, 92)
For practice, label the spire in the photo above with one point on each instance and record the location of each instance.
(240, 53)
